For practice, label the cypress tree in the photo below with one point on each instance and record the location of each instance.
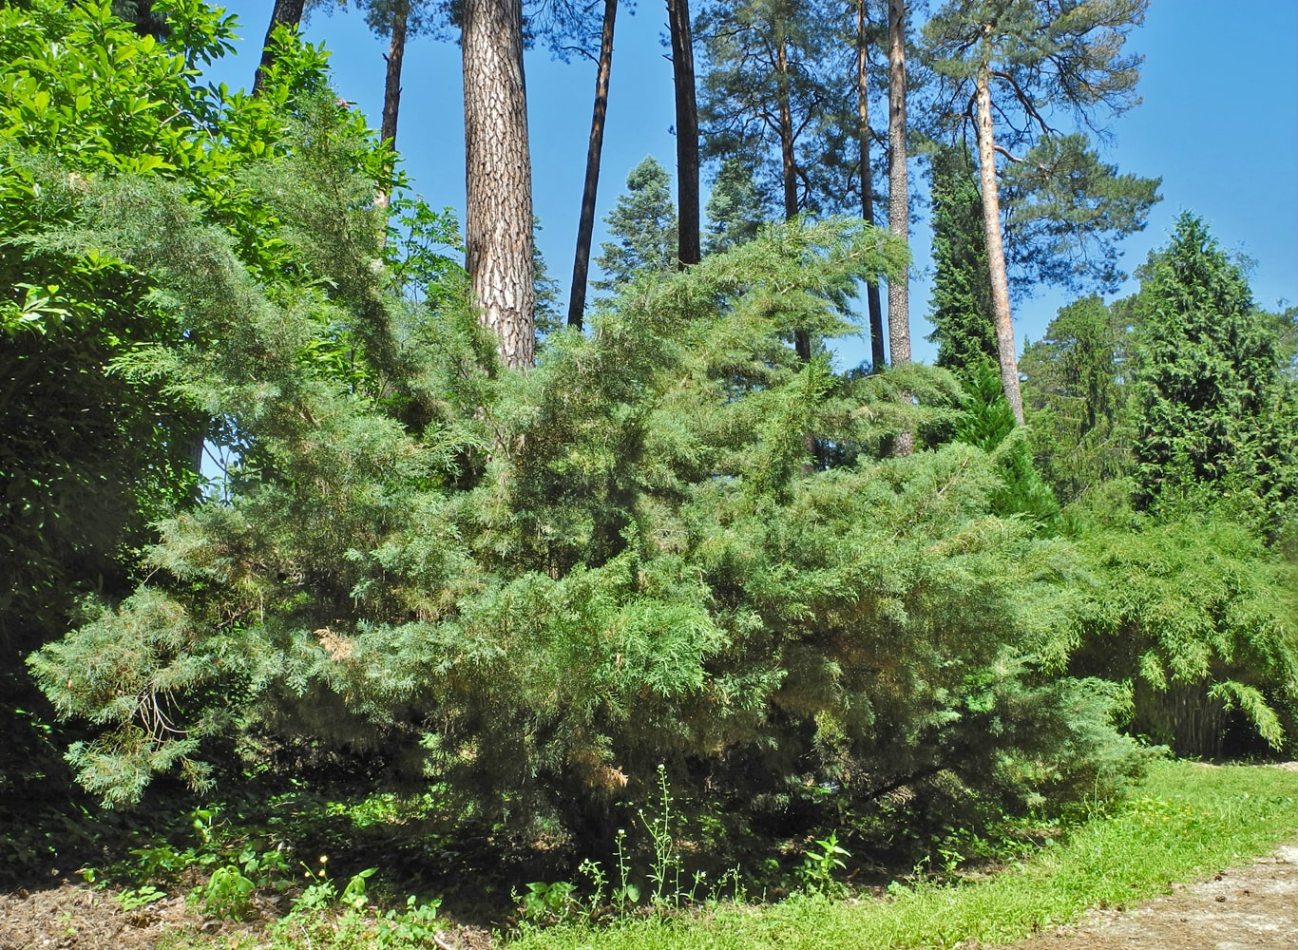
(961, 308)
(1214, 415)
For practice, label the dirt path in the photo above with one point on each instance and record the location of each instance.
(1253, 907)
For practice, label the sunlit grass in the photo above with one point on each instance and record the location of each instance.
(1186, 821)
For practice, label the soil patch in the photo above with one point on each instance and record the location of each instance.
(1253, 907)
(80, 917)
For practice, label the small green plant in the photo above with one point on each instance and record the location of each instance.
(137, 897)
(820, 864)
(666, 867)
(353, 895)
(319, 893)
(625, 893)
(415, 926)
(547, 903)
(228, 894)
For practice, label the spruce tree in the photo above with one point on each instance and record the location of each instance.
(735, 209)
(643, 227)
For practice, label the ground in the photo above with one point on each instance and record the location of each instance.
(1254, 907)
(1251, 907)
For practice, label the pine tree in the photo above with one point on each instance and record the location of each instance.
(498, 170)
(898, 181)
(961, 307)
(643, 225)
(864, 134)
(1018, 60)
(594, 153)
(681, 29)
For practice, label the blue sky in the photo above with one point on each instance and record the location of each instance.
(1219, 123)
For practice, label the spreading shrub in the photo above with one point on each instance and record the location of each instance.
(671, 542)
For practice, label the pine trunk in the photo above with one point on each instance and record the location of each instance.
(286, 12)
(392, 90)
(995, 247)
(898, 184)
(687, 132)
(898, 198)
(877, 358)
(392, 84)
(498, 226)
(789, 169)
(594, 151)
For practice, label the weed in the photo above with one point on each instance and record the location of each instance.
(666, 867)
(546, 904)
(819, 865)
(143, 896)
(227, 894)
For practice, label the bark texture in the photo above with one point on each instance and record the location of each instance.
(392, 84)
(287, 12)
(898, 199)
(874, 308)
(789, 169)
(687, 132)
(594, 152)
(898, 183)
(1002, 317)
(498, 225)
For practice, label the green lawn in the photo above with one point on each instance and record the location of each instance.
(1186, 821)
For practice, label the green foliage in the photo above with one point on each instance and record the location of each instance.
(538, 587)
(1200, 616)
(821, 863)
(227, 894)
(1215, 416)
(1078, 396)
(735, 209)
(133, 898)
(1066, 213)
(961, 308)
(97, 453)
(988, 423)
(643, 226)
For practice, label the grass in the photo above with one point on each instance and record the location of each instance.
(1186, 821)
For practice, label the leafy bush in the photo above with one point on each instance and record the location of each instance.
(1199, 615)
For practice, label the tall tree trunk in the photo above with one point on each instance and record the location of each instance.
(594, 151)
(789, 168)
(995, 246)
(877, 358)
(287, 12)
(687, 132)
(898, 198)
(498, 226)
(392, 84)
(898, 184)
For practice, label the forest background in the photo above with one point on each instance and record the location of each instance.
(1225, 149)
